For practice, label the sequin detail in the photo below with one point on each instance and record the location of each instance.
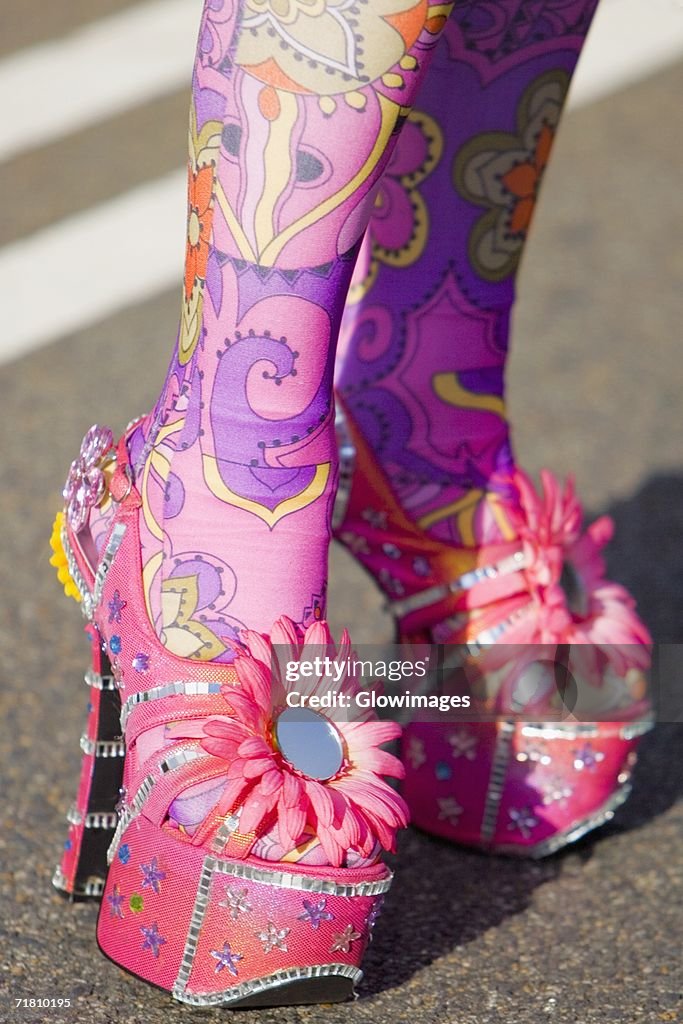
(85, 485)
(153, 941)
(343, 941)
(226, 958)
(116, 606)
(236, 902)
(273, 937)
(153, 876)
(315, 912)
(115, 900)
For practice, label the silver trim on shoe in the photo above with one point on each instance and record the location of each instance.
(76, 575)
(106, 561)
(96, 681)
(93, 819)
(102, 748)
(572, 834)
(94, 886)
(177, 760)
(225, 831)
(432, 595)
(130, 812)
(90, 601)
(188, 687)
(304, 883)
(496, 786)
(270, 981)
(263, 876)
(590, 730)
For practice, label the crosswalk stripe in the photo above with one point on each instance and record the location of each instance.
(96, 71)
(83, 269)
(92, 264)
(629, 39)
(147, 50)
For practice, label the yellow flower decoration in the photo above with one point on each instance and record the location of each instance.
(59, 560)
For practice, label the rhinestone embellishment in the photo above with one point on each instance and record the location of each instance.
(85, 484)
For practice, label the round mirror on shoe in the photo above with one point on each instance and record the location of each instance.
(310, 742)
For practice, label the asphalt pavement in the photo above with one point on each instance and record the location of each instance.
(590, 936)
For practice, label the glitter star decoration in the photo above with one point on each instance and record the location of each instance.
(236, 902)
(343, 941)
(449, 809)
(587, 758)
(521, 818)
(116, 606)
(534, 752)
(141, 662)
(375, 518)
(152, 875)
(315, 912)
(273, 937)
(371, 919)
(555, 791)
(115, 900)
(356, 544)
(391, 584)
(226, 958)
(415, 752)
(463, 744)
(153, 941)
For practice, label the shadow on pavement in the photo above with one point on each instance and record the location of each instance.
(445, 896)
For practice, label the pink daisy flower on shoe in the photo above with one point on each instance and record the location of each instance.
(571, 602)
(299, 768)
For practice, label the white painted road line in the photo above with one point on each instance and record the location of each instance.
(95, 72)
(629, 39)
(85, 268)
(147, 50)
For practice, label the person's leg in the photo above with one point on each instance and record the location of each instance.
(454, 532)
(296, 109)
(425, 334)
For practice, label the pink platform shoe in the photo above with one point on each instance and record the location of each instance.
(509, 779)
(243, 850)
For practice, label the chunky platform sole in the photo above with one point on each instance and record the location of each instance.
(92, 817)
(213, 930)
(518, 788)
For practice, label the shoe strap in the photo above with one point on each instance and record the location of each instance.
(121, 486)
(434, 595)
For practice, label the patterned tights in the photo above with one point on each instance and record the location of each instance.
(312, 121)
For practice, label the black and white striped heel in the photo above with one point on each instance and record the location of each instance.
(92, 817)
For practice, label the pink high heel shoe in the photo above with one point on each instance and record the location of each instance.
(531, 775)
(243, 851)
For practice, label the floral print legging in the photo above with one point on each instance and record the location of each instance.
(414, 134)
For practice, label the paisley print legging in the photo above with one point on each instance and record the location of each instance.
(415, 133)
